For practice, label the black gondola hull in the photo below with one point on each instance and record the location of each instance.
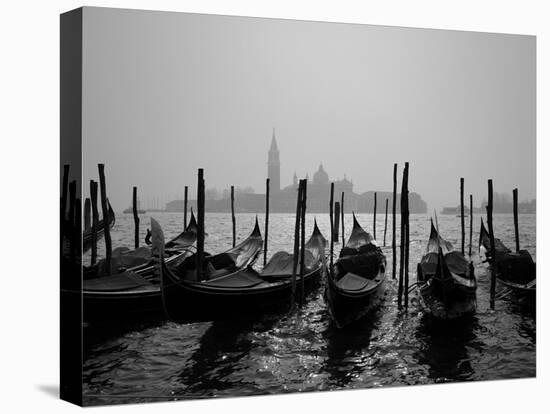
(106, 307)
(346, 308)
(457, 302)
(356, 283)
(188, 301)
(446, 281)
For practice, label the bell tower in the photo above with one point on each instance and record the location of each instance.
(274, 165)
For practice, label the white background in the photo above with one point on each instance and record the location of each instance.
(29, 125)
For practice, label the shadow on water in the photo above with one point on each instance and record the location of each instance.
(524, 307)
(443, 347)
(347, 349)
(223, 348)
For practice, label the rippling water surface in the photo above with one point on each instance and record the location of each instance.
(161, 360)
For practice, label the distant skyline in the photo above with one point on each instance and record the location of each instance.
(167, 93)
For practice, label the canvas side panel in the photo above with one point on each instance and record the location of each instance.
(71, 217)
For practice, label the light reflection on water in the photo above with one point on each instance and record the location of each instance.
(304, 352)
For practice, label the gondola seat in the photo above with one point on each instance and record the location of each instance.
(222, 260)
(244, 279)
(352, 282)
(367, 263)
(282, 263)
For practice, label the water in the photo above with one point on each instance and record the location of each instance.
(303, 352)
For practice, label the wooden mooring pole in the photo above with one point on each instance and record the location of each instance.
(402, 244)
(200, 224)
(296, 244)
(105, 212)
(407, 235)
(233, 223)
(95, 220)
(336, 221)
(471, 224)
(342, 208)
(374, 218)
(77, 230)
(136, 217)
(266, 231)
(394, 207)
(87, 214)
(516, 220)
(386, 222)
(462, 232)
(492, 241)
(185, 208)
(303, 242)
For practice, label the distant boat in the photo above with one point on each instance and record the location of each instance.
(455, 211)
(130, 210)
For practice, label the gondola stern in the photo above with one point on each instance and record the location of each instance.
(355, 222)
(157, 252)
(316, 230)
(256, 231)
(433, 231)
(192, 225)
(157, 239)
(111, 211)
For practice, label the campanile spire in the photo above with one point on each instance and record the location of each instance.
(274, 164)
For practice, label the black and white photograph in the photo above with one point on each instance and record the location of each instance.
(266, 206)
(277, 206)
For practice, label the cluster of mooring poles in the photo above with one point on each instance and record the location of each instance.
(71, 223)
(71, 220)
(299, 244)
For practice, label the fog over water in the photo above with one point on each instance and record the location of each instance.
(167, 93)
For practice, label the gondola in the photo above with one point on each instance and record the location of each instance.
(140, 260)
(515, 270)
(87, 234)
(244, 293)
(485, 252)
(446, 280)
(136, 292)
(355, 284)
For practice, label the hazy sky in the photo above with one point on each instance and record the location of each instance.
(167, 93)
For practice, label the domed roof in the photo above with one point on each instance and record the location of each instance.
(320, 177)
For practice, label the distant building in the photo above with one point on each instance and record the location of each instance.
(318, 192)
(283, 200)
(366, 202)
(502, 204)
